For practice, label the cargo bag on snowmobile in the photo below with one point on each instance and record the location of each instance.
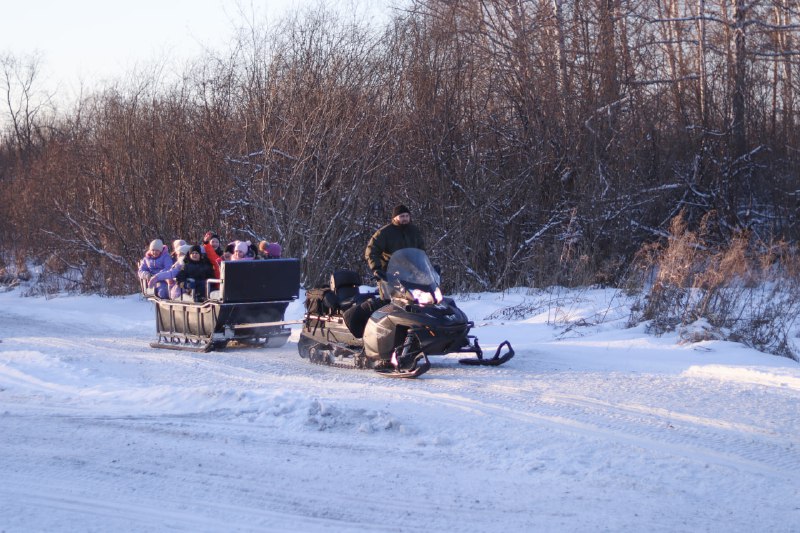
(321, 301)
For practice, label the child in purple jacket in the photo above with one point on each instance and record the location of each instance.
(155, 260)
(168, 276)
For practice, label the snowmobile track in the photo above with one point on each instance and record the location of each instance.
(753, 452)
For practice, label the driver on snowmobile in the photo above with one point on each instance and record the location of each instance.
(398, 234)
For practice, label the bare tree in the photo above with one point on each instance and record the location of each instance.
(536, 141)
(24, 100)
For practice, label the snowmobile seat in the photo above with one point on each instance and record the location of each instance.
(345, 285)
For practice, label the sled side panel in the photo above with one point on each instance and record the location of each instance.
(187, 319)
(260, 281)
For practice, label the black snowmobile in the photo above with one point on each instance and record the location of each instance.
(394, 330)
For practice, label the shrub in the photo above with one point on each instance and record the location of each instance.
(745, 290)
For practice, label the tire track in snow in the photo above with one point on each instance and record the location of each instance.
(747, 450)
(730, 441)
(299, 505)
(149, 514)
(636, 424)
(738, 445)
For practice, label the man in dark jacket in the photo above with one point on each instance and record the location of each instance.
(399, 234)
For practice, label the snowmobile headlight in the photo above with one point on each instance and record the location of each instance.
(425, 297)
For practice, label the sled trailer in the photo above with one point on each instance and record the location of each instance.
(246, 305)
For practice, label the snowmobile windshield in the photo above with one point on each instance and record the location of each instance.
(411, 272)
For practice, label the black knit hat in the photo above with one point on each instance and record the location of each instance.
(399, 210)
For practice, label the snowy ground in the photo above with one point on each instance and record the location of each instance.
(591, 427)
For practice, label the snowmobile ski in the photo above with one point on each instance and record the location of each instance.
(404, 374)
(496, 360)
(414, 371)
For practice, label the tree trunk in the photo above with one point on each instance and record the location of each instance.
(738, 126)
(701, 65)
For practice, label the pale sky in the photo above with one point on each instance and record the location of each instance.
(86, 41)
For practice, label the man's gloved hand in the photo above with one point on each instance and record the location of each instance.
(379, 274)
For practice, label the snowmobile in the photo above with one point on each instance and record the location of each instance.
(392, 331)
(245, 306)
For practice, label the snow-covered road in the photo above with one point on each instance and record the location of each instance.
(606, 430)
